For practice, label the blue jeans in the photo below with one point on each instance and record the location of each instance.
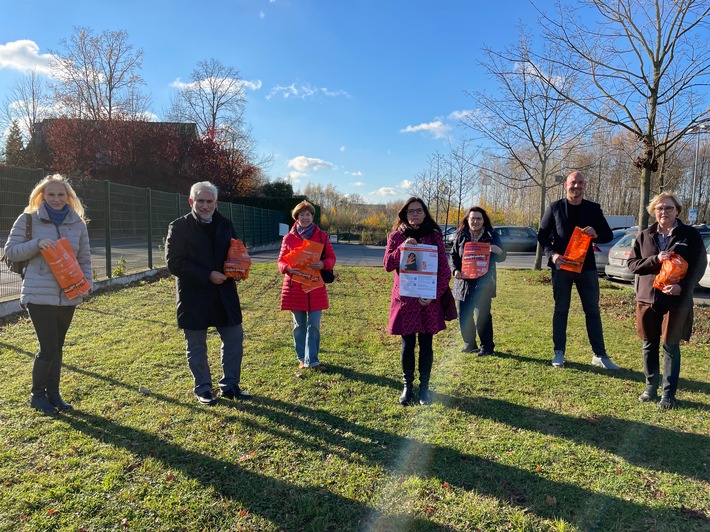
(231, 352)
(306, 336)
(587, 284)
(478, 300)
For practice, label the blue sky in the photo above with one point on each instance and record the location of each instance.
(356, 93)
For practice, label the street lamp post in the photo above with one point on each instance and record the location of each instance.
(697, 130)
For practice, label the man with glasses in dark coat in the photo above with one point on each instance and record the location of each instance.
(195, 251)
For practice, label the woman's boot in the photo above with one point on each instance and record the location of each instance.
(55, 370)
(38, 397)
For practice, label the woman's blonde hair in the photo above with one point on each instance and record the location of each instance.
(660, 197)
(37, 194)
(303, 206)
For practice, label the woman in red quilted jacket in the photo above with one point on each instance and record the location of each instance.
(306, 308)
(411, 317)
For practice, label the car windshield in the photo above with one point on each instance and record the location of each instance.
(627, 241)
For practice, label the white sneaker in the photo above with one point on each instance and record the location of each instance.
(603, 362)
(559, 359)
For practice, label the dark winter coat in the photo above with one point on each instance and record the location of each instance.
(686, 242)
(192, 254)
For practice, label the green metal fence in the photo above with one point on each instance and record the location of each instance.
(127, 225)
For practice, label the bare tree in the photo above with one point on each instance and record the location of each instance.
(643, 61)
(28, 103)
(463, 174)
(214, 99)
(98, 75)
(525, 121)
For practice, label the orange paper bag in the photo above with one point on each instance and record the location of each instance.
(300, 258)
(238, 261)
(576, 251)
(672, 271)
(66, 269)
(476, 259)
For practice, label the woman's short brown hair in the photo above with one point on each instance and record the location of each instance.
(303, 206)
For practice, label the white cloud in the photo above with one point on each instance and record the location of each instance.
(262, 14)
(23, 55)
(206, 83)
(342, 148)
(303, 91)
(304, 164)
(357, 184)
(460, 115)
(437, 129)
(385, 192)
(355, 174)
(406, 183)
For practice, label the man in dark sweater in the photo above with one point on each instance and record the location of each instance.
(556, 228)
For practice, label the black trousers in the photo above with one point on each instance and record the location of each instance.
(426, 357)
(51, 324)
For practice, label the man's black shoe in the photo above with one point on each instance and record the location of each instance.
(235, 394)
(666, 403)
(206, 398)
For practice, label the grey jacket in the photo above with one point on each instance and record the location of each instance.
(39, 286)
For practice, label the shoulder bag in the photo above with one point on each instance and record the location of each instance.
(19, 266)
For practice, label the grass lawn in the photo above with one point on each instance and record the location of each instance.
(510, 443)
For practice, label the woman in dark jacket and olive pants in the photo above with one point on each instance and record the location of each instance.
(476, 294)
(665, 314)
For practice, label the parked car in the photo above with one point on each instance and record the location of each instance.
(705, 281)
(448, 232)
(705, 233)
(618, 257)
(517, 238)
(601, 251)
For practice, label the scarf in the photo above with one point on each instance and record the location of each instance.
(417, 234)
(57, 217)
(306, 233)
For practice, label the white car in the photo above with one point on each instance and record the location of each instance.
(705, 281)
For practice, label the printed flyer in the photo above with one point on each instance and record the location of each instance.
(476, 259)
(418, 266)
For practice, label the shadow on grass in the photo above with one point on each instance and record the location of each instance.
(627, 374)
(123, 316)
(288, 506)
(16, 349)
(402, 456)
(638, 443)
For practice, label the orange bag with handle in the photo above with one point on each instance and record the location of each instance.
(300, 258)
(672, 271)
(238, 261)
(66, 269)
(576, 251)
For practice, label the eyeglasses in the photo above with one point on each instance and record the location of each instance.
(661, 209)
(415, 211)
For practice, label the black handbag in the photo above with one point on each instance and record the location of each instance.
(19, 266)
(327, 275)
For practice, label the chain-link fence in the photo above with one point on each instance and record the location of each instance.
(127, 225)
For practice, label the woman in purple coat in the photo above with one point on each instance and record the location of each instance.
(413, 317)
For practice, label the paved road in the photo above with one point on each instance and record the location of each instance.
(357, 255)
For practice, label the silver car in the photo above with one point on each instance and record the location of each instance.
(705, 281)
(601, 251)
(618, 257)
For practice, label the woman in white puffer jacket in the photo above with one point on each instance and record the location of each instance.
(56, 212)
